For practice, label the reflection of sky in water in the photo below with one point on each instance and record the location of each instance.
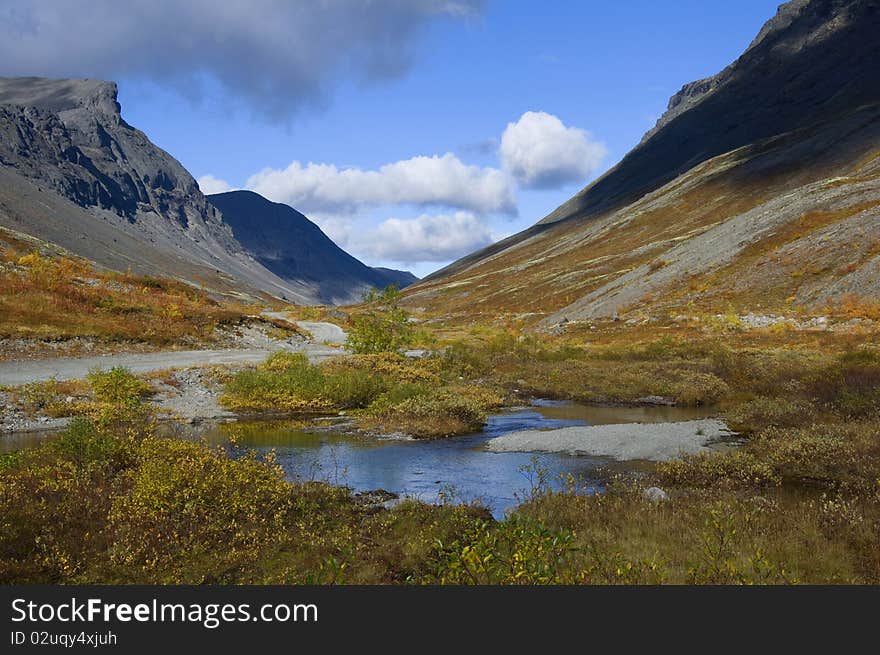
(425, 469)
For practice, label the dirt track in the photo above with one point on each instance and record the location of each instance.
(15, 373)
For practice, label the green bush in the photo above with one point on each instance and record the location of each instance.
(383, 327)
(193, 515)
(287, 382)
(700, 389)
(520, 551)
(819, 453)
(117, 386)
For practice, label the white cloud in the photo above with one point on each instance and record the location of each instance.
(340, 229)
(428, 238)
(276, 56)
(210, 184)
(438, 180)
(542, 153)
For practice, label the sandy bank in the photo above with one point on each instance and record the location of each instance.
(649, 441)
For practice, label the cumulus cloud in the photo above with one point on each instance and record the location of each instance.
(210, 184)
(542, 153)
(428, 238)
(437, 180)
(277, 56)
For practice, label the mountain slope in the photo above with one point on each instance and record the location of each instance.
(291, 246)
(74, 173)
(758, 187)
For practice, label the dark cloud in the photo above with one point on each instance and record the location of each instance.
(277, 57)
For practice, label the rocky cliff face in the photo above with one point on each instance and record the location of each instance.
(75, 173)
(69, 135)
(778, 153)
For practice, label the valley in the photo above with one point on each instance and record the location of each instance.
(672, 378)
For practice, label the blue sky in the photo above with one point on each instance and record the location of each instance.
(451, 84)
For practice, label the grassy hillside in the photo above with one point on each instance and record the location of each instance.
(46, 294)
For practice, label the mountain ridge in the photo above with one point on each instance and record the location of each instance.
(119, 200)
(799, 108)
(261, 225)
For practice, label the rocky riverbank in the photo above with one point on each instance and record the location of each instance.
(626, 441)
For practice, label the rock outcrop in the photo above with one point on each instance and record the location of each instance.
(74, 173)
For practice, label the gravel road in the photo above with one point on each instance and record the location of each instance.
(15, 373)
(321, 332)
(324, 332)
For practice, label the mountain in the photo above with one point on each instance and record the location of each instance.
(291, 246)
(758, 188)
(74, 173)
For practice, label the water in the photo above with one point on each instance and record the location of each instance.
(428, 470)
(457, 467)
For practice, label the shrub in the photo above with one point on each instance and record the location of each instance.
(427, 415)
(763, 412)
(55, 501)
(383, 327)
(193, 515)
(284, 360)
(850, 385)
(819, 453)
(727, 469)
(117, 386)
(287, 382)
(520, 551)
(700, 389)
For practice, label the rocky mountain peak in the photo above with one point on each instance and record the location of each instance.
(69, 135)
(57, 96)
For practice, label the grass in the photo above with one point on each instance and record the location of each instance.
(713, 536)
(387, 392)
(799, 502)
(121, 505)
(44, 296)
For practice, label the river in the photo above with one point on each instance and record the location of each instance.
(457, 468)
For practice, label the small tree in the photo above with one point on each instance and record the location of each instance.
(384, 327)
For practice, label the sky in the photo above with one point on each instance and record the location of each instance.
(413, 132)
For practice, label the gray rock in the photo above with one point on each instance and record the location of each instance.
(655, 495)
(74, 173)
(656, 400)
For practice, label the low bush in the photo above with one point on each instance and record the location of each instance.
(383, 327)
(427, 414)
(764, 412)
(117, 385)
(717, 470)
(288, 383)
(700, 389)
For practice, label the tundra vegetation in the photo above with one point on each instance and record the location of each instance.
(383, 392)
(115, 500)
(112, 501)
(51, 296)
